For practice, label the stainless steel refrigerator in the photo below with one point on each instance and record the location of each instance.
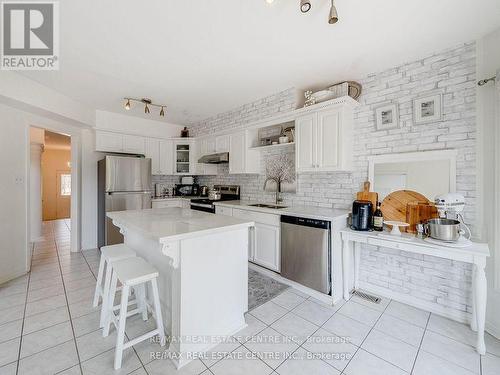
(124, 183)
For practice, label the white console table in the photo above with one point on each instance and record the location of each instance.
(475, 254)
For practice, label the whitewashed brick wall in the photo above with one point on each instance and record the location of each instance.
(451, 73)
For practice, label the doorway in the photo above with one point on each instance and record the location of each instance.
(56, 176)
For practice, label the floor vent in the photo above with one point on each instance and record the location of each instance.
(366, 296)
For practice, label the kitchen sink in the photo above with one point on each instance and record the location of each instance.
(265, 205)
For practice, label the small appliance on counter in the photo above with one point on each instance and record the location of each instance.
(161, 190)
(224, 193)
(450, 226)
(186, 190)
(362, 214)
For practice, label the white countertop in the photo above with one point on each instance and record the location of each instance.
(173, 224)
(310, 212)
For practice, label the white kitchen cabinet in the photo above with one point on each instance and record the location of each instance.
(108, 142)
(209, 146)
(264, 244)
(203, 148)
(267, 246)
(160, 152)
(324, 141)
(184, 154)
(222, 143)
(241, 158)
(133, 144)
(122, 143)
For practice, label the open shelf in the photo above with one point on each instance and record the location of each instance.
(272, 146)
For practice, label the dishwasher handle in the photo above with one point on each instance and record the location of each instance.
(313, 223)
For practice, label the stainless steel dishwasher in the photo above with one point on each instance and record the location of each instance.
(306, 252)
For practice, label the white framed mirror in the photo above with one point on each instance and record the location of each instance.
(428, 172)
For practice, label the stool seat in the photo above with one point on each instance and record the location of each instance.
(117, 252)
(133, 271)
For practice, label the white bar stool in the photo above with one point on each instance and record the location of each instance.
(132, 273)
(109, 254)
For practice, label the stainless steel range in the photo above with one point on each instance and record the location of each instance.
(227, 193)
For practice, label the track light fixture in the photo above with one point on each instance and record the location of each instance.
(305, 6)
(333, 17)
(147, 103)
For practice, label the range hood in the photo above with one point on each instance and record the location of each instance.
(219, 158)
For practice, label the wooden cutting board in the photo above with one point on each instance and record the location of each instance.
(394, 205)
(367, 195)
(418, 213)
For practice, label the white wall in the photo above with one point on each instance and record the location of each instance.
(14, 152)
(488, 65)
(135, 125)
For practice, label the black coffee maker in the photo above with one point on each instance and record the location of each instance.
(362, 212)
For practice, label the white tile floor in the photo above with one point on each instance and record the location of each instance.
(48, 326)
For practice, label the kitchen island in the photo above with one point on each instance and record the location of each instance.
(203, 272)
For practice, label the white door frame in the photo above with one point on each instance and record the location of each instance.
(76, 146)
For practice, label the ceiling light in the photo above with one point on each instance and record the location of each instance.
(305, 6)
(269, 1)
(147, 103)
(333, 17)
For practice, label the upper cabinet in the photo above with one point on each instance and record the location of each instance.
(242, 159)
(161, 153)
(324, 140)
(222, 143)
(184, 157)
(116, 142)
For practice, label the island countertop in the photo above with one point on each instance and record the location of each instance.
(173, 224)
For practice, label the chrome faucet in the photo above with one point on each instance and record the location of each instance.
(278, 198)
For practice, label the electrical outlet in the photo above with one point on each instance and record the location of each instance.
(19, 180)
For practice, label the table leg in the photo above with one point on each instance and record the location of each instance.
(480, 289)
(357, 261)
(346, 254)
(473, 321)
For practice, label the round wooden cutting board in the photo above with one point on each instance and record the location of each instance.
(394, 205)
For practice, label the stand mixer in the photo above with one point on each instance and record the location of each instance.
(451, 206)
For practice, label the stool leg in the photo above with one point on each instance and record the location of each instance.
(159, 318)
(120, 337)
(109, 305)
(105, 294)
(98, 286)
(142, 298)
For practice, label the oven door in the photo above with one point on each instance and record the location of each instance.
(205, 207)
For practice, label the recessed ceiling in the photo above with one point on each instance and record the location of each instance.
(206, 57)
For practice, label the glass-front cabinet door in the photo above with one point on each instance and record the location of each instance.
(182, 157)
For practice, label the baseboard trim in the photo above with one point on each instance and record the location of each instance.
(12, 276)
(493, 330)
(310, 292)
(460, 316)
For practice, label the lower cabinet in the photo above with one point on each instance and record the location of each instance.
(264, 246)
(266, 249)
